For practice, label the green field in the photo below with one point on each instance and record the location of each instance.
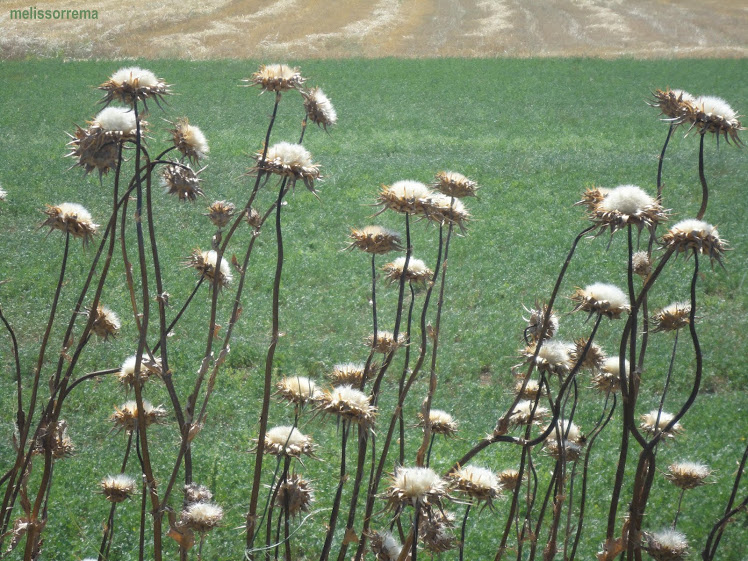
(533, 133)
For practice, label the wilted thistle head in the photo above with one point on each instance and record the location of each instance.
(194, 493)
(538, 316)
(419, 487)
(204, 262)
(441, 422)
(181, 180)
(696, 235)
(385, 546)
(375, 239)
(148, 367)
(221, 213)
(406, 196)
(350, 404)
(651, 425)
(567, 430)
(714, 115)
(666, 545)
(276, 78)
(478, 483)
(319, 109)
(94, 149)
(296, 493)
(418, 272)
(672, 317)
(55, 437)
(593, 359)
(522, 414)
(189, 140)
(454, 184)
(435, 531)
(292, 161)
(627, 205)
(554, 356)
(608, 378)
(531, 390)
(385, 342)
(126, 416)
(287, 441)
(297, 389)
(105, 322)
(601, 298)
(201, 517)
(566, 449)
(446, 210)
(350, 373)
(509, 479)
(117, 488)
(641, 263)
(591, 197)
(72, 219)
(687, 475)
(132, 84)
(118, 122)
(675, 105)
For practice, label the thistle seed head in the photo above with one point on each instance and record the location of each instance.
(132, 84)
(454, 184)
(375, 239)
(276, 78)
(289, 442)
(189, 140)
(698, 236)
(117, 488)
(601, 298)
(70, 218)
(181, 180)
(319, 109)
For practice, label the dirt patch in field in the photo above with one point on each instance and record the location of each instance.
(200, 29)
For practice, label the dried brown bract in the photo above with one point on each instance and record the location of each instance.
(454, 184)
(276, 78)
(375, 239)
(181, 180)
(70, 218)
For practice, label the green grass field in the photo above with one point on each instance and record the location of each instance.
(533, 133)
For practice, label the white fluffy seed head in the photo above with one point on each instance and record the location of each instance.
(442, 422)
(715, 106)
(574, 433)
(609, 293)
(691, 225)
(352, 396)
(298, 389)
(286, 436)
(612, 366)
(202, 517)
(480, 477)
(522, 411)
(74, 210)
(651, 425)
(602, 298)
(410, 190)
(688, 475)
(116, 119)
(319, 108)
(416, 484)
(666, 545)
(3, 194)
(117, 488)
(291, 155)
(626, 199)
(129, 75)
(211, 258)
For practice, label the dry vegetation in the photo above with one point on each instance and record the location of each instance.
(410, 28)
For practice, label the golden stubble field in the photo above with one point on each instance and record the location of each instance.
(200, 29)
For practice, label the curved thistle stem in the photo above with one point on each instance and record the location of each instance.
(677, 511)
(462, 531)
(661, 159)
(702, 178)
(338, 493)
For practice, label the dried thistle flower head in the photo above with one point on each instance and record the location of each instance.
(522, 414)
(119, 121)
(94, 149)
(509, 479)
(375, 239)
(418, 272)
(675, 105)
(181, 180)
(386, 343)
(350, 404)
(530, 391)
(672, 317)
(296, 493)
(194, 493)
(441, 422)
(554, 356)
(70, 218)
(714, 115)
(696, 235)
(666, 545)
(651, 425)
(454, 184)
(297, 389)
(608, 379)
(595, 357)
(385, 546)
(624, 205)
(276, 78)
(446, 210)
(148, 367)
(288, 441)
(591, 197)
(105, 322)
(567, 450)
(189, 140)
(117, 488)
(435, 531)
(687, 475)
(292, 161)
(221, 213)
(601, 298)
(568, 430)
(641, 263)
(538, 316)
(54, 436)
(126, 416)
(132, 84)
(350, 373)
(419, 487)
(201, 517)
(319, 109)
(204, 262)
(254, 218)
(406, 196)
(478, 483)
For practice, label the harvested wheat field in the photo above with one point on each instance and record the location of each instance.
(202, 29)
